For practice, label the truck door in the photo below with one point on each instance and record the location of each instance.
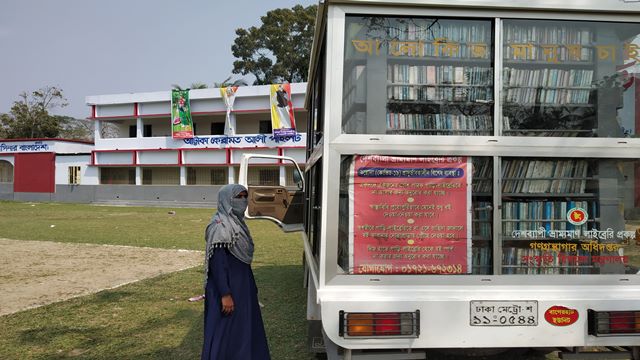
(278, 201)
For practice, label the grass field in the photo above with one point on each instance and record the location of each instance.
(150, 319)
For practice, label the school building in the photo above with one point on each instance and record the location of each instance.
(135, 160)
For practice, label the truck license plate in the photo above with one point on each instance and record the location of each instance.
(503, 313)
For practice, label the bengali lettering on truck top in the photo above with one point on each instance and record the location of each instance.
(410, 215)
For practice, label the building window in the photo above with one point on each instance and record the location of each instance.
(217, 128)
(161, 176)
(207, 175)
(117, 176)
(146, 131)
(132, 131)
(6, 172)
(263, 175)
(265, 127)
(74, 175)
(219, 176)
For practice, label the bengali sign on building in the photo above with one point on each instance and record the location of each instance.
(410, 215)
(26, 146)
(246, 141)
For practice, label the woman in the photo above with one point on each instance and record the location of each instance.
(233, 327)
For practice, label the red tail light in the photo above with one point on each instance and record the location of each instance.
(610, 323)
(387, 324)
(379, 324)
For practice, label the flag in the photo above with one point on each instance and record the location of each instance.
(282, 120)
(181, 122)
(229, 96)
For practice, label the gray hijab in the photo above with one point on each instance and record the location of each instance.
(227, 229)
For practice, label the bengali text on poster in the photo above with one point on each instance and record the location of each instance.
(411, 215)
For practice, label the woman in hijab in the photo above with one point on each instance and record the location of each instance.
(233, 327)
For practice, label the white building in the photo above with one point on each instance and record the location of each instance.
(44, 169)
(135, 159)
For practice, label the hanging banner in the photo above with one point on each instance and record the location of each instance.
(410, 215)
(282, 120)
(181, 122)
(229, 96)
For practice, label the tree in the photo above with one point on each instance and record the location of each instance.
(75, 129)
(29, 116)
(279, 49)
(194, 86)
(227, 82)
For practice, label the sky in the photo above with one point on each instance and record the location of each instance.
(91, 47)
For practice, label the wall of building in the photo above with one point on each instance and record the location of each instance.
(8, 158)
(88, 174)
(34, 172)
(6, 191)
(184, 196)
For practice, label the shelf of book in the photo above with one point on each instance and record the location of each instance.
(481, 260)
(541, 64)
(548, 80)
(538, 198)
(439, 99)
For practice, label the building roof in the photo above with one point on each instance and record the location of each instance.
(195, 94)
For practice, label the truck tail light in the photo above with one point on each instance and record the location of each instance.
(614, 323)
(397, 324)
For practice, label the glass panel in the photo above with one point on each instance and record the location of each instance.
(570, 78)
(315, 128)
(314, 195)
(263, 175)
(570, 216)
(420, 76)
(415, 215)
(290, 179)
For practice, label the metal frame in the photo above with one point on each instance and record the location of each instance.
(337, 144)
(335, 291)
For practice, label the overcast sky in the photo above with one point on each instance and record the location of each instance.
(91, 47)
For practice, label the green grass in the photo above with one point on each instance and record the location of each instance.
(150, 319)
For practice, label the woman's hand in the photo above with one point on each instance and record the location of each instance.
(227, 304)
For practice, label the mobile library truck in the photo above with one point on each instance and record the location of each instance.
(472, 177)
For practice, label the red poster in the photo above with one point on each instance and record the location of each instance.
(411, 215)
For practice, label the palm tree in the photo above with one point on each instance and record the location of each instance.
(226, 83)
(199, 85)
(195, 85)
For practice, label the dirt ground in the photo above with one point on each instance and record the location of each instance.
(36, 273)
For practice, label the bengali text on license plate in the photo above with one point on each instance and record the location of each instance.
(504, 313)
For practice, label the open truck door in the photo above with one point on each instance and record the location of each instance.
(279, 203)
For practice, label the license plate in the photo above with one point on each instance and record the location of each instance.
(503, 313)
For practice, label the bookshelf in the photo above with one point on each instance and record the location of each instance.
(435, 77)
(482, 222)
(537, 196)
(549, 73)
(438, 75)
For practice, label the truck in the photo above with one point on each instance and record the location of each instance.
(472, 178)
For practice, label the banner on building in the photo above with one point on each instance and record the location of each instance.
(229, 96)
(181, 122)
(410, 215)
(282, 119)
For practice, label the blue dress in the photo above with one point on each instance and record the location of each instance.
(241, 335)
